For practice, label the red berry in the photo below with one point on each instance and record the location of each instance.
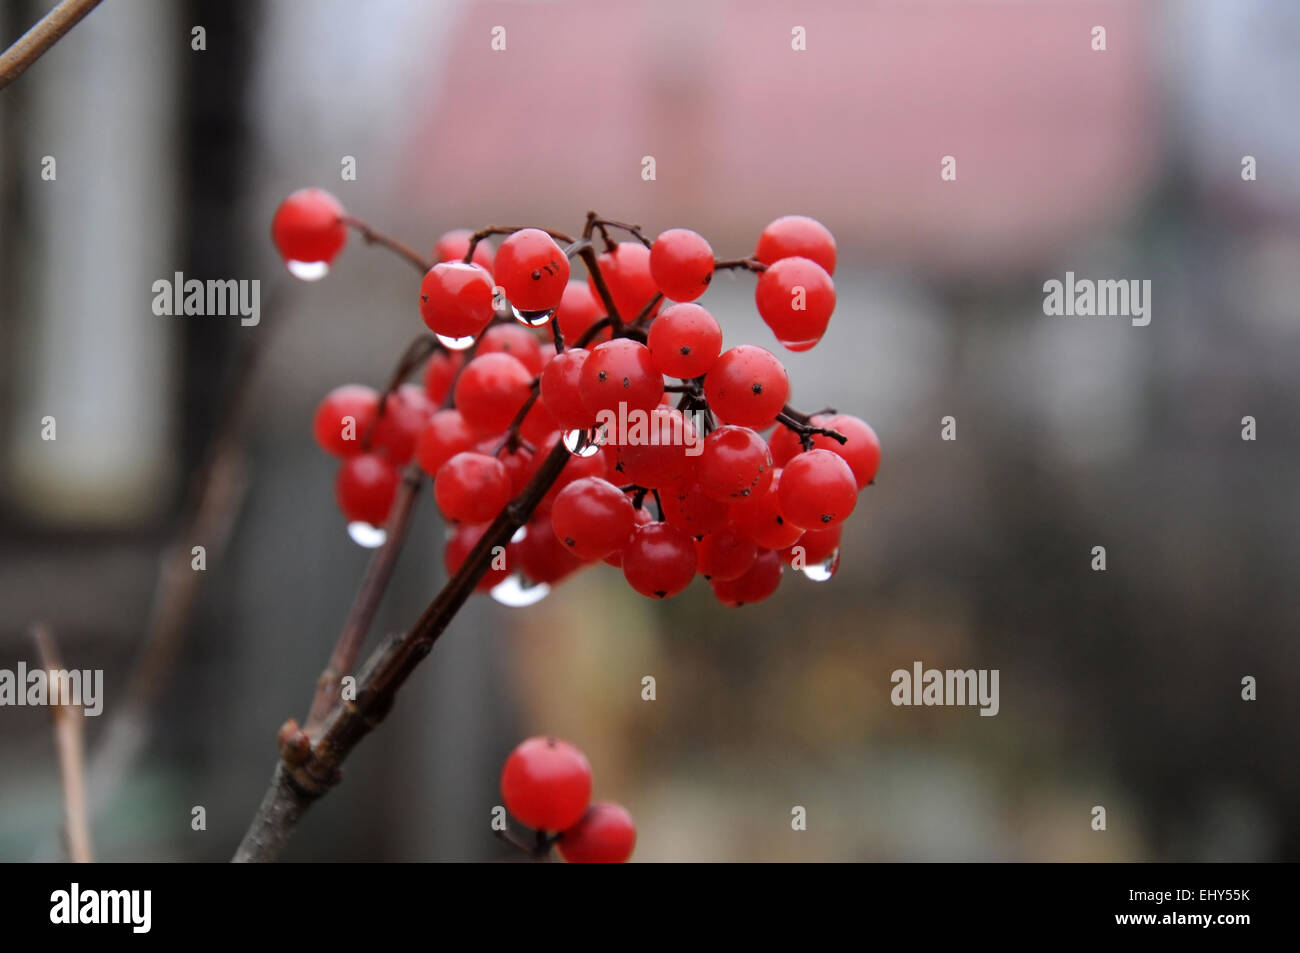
(541, 556)
(546, 783)
(515, 340)
(560, 390)
(592, 517)
(456, 299)
(308, 228)
(453, 245)
(689, 509)
(684, 341)
(579, 310)
(797, 236)
(343, 418)
(659, 449)
(640, 516)
(620, 372)
(365, 487)
(861, 451)
(533, 270)
(440, 373)
(578, 468)
(444, 435)
(758, 582)
(681, 263)
(785, 443)
(397, 429)
(491, 390)
(795, 297)
(817, 488)
(605, 835)
(472, 487)
(814, 547)
(724, 554)
(735, 464)
(626, 270)
(460, 544)
(747, 386)
(659, 560)
(762, 518)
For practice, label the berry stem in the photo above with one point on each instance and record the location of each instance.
(588, 255)
(799, 423)
(748, 264)
(373, 237)
(483, 233)
(33, 44)
(416, 353)
(633, 230)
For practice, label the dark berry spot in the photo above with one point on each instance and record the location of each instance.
(626, 383)
(826, 517)
(424, 297)
(661, 593)
(780, 521)
(601, 377)
(708, 278)
(757, 388)
(537, 275)
(568, 541)
(686, 349)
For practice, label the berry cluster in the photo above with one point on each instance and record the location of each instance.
(686, 457)
(546, 785)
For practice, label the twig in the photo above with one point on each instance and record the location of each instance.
(749, 264)
(69, 738)
(374, 237)
(483, 233)
(31, 46)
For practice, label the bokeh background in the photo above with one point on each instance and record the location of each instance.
(1119, 689)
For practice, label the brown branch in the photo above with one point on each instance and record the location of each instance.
(749, 264)
(33, 44)
(374, 237)
(483, 233)
(69, 739)
(303, 777)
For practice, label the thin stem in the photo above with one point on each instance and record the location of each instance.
(416, 353)
(633, 230)
(800, 424)
(483, 233)
(374, 237)
(69, 739)
(49, 29)
(648, 309)
(748, 264)
(588, 255)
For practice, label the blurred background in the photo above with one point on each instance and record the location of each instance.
(1118, 688)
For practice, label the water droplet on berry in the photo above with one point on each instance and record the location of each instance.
(533, 319)
(455, 344)
(822, 571)
(366, 535)
(520, 535)
(515, 591)
(799, 345)
(308, 270)
(583, 443)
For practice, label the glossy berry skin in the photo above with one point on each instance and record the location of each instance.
(472, 487)
(579, 310)
(660, 453)
(532, 269)
(517, 341)
(439, 374)
(734, 465)
(459, 545)
(365, 488)
(343, 418)
(817, 489)
(684, 341)
(747, 386)
(759, 581)
(861, 451)
(797, 236)
(592, 517)
(795, 297)
(689, 509)
(815, 546)
(681, 264)
(605, 835)
(640, 517)
(724, 554)
(308, 227)
(546, 784)
(453, 245)
(456, 299)
(620, 372)
(785, 443)
(397, 429)
(541, 556)
(444, 435)
(491, 390)
(626, 270)
(560, 390)
(659, 560)
(763, 520)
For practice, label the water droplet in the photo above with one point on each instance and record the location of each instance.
(820, 572)
(797, 346)
(455, 344)
(517, 592)
(533, 319)
(308, 270)
(520, 534)
(583, 443)
(364, 534)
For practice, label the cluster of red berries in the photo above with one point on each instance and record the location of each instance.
(546, 784)
(666, 481)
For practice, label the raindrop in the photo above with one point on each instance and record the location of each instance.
(820, 572)
(797, 346)
(520, 534)
(516, 592)
(455, 344)
(583, 443)
(533, 319)
(364, 534)
(308, 270)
